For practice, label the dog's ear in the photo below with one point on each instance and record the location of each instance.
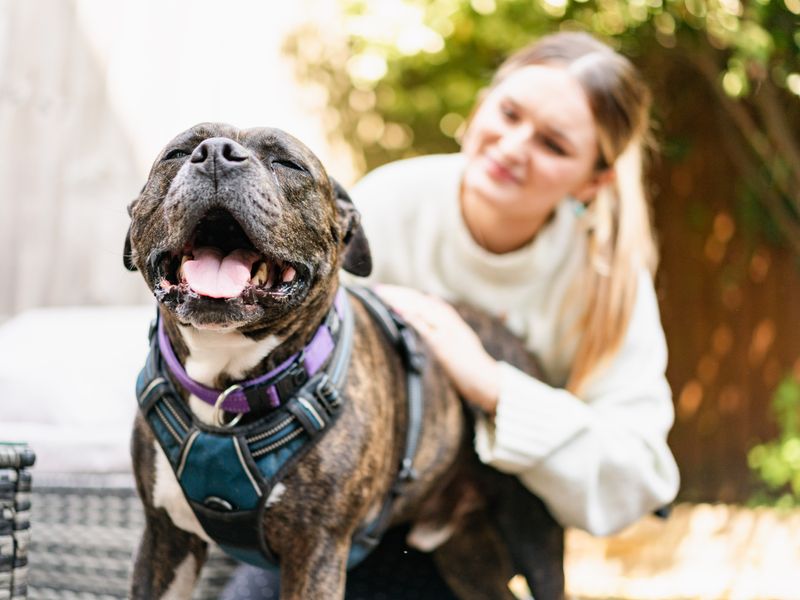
(357, 258)
(127, 253)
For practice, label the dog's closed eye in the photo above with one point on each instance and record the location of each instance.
(290, 164)
(175, 153)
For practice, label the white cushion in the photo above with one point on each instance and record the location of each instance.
(67, 378)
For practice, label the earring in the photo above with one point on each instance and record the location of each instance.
(578, 207)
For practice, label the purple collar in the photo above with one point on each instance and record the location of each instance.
(265, 389)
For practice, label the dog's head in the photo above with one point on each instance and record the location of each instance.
(236, 229)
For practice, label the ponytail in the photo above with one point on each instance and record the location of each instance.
(621, 245)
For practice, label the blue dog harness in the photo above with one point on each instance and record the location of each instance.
(227, 472)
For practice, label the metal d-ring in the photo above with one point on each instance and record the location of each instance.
(216, 416)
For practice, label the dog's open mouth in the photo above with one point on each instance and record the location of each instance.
(221, 262)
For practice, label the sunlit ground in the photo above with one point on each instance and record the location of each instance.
(701, 551)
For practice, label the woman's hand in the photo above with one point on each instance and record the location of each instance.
(455, 345)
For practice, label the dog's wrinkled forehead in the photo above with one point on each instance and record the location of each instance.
(267, 143)
(267, 181)
(256, 172)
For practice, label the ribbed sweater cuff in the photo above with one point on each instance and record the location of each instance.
(532, 420)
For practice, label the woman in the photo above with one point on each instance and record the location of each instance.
(542, 221)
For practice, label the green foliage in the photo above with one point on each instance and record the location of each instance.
(412, 68)
(403, 77)
(776, 463)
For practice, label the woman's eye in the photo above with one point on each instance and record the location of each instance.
(509, 113)
(554, 146)
(289, 164)
(176, 153)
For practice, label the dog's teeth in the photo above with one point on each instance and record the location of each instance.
(180, 269)
(288, 274)
(260, 277)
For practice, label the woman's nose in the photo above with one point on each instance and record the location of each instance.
(513, 143)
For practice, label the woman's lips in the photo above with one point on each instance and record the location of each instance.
(498, 172)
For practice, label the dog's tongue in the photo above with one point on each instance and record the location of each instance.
(217, 276)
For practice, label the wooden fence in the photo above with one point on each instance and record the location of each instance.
(730, 301)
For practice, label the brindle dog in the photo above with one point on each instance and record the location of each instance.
(261, 199)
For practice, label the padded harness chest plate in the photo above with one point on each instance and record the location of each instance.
(227, 473)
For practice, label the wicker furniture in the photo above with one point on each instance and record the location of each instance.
(85, 530)
(15, 504)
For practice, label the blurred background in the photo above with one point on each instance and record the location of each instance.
(724, 181)
(91, 90)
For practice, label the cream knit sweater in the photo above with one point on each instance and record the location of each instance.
(599, 461)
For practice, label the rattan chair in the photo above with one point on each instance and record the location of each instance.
(15, 504)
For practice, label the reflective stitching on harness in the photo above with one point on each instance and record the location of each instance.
(266, 434)
(317, 403)
(175, 414)
(167, 424)
(153, 384)
(283, 441)
(314, 413)
(244, 466)
(186, 449)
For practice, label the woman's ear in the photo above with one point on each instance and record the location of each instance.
(598, 179)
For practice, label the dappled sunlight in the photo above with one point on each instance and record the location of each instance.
(704, 551)
(722, 340)
(707, 369)
(690, 398)
(761, 341)
(759, 265)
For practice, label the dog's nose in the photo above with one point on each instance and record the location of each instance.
(219, 153)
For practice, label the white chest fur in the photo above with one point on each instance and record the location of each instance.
(167, 494)
(210, 354)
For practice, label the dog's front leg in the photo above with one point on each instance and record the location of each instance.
(168, 560)
(314, 570)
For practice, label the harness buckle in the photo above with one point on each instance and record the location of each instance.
(327, 393)
(291, 380)
(407, 470)
(218, 504)
(217, 417)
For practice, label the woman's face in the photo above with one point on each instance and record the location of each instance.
(532, 141)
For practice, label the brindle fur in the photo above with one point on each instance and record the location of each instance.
(303, 217)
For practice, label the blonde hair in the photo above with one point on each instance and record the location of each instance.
(620, 236)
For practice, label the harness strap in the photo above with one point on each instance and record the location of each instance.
(404, 340)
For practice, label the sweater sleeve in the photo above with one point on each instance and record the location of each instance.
(601, 461)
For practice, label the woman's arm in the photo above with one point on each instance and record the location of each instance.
(457, 348)
(599, 462)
